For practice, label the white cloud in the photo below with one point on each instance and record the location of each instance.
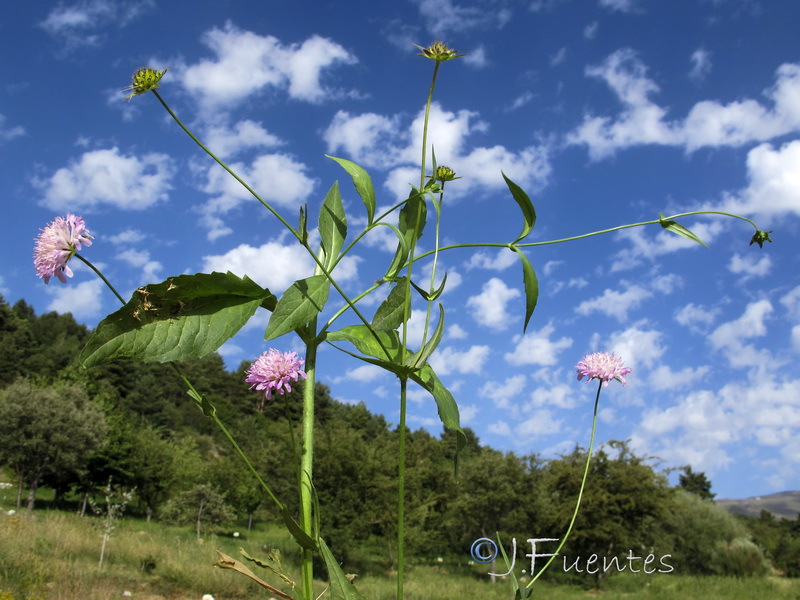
(619, 5)
(664, 378)
(750, 265)
(644, 245)
(729, 337)
(443, 17)
(559, 396)
(477, 58)
(497, 260)
(389, 143)
(502, 393)
(709, 123)
(9, 133)
(141, 259)
(536, 348)
(225, 141)
(490, 307)
(271, 265)
(701, 64)
(363, 374)
(637, 346)
(540, 423)
(247, 64)
(615, 304)
(697, 318)
(77, 24)
(108, 177)
(558, 57)
(774, 184)
(447, 360)
(268, 175)
(590, 31)
(83, 300)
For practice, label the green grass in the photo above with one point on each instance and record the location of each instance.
(54, 556)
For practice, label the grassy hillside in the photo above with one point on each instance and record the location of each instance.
(55, 556)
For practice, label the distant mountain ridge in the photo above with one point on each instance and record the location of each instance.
(783, 505)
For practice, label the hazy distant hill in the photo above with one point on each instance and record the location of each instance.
(782, 504)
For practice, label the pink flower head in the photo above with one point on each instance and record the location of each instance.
(603, 366)
(272, 371)
(56, 244)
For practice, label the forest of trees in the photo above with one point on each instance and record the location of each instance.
(133, 424)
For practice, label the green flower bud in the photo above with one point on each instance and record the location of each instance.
(144, 80)
(759, 237)
(444, 173)
(439, 51)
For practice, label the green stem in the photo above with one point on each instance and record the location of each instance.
(580, 493)
(425, 127)
(307, 463)
(585, 235)
(101, 276)
(401, 486)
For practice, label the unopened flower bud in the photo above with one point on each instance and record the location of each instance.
(444, 173)
(144, 80)
(759, 237)
(439, 51)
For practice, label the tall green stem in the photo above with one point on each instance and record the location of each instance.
(425, 125)
(101, 276)
(307, 462)
(580, 493)
(401, 487)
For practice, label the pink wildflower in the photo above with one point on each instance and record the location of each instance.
(272, 371)
(56, 244)
(603, 366)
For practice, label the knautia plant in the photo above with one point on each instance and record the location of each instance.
(188, 316)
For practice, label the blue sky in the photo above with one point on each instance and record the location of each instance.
(605, 111)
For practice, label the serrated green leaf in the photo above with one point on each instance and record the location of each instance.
(531, 285)
(182, 318)
(420, 357)
(299, 304)
(363, 184)
(679, 229)
(341, 587)
(394, 309)
(332, 225)
(525, 204)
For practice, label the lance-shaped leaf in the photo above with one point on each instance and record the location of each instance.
(332, 225)
(531, 285)
(445, 404)
(181, 318)
(679, 229)
(411, 224)
(363, 184)
(525, 204)
(381, 344)
(420, 357)
(341, 585)
(299, 304)
(395, 308)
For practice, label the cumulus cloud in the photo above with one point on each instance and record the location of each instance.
(646, 246)
(536, 348)
(490, 307)
(638, 346)
(141, 259)
(750, 266)
(227, 141)
(108, 177)
(502, 393)
(267, 174)
(271, 265)
(391, 143)
(447, 360)
(709, 122)
(615, 304)
(730, 337)
(247, 64)
(83, 300)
